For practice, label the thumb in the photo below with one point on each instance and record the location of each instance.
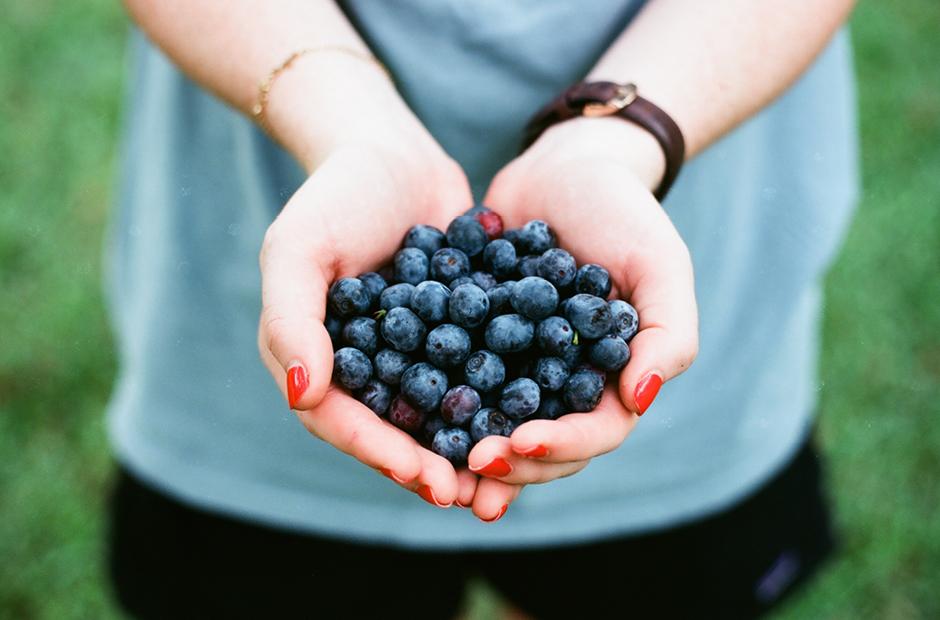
(292, 339)
(667, 341)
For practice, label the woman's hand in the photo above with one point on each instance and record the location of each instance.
(349, 217)
(591, 180)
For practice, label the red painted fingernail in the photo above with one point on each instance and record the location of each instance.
(388, 473)
(297, 383)
(497, 468)
(535, 451)
(646, 391)
(427, 494)
(499, 515)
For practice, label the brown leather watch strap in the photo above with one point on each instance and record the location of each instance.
(612, 99)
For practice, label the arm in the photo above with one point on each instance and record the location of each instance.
(230, 47)
(710, 66)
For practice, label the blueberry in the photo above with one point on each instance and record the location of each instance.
(558, 267)
(499, 258)
(554, 335)
(534, 297)
(573, 356)
(589, 315)
(491, 222)
(448, 264)
(411, 266)
(375, 284)
(396, 296)
(551, 407)
(528, 265)
(460, 404)
(424, 386)
(610, 353)
(484, 371)
(426, 238)
(349, 297)
(512, 236)
(593, 280)
(404, 416)
(429, 301)
(433, 424)
(499, 297)
(467, 234)
(520, 398)
(490, 421)
(375, 395)
(403, 330)
(334, 327)
(483, 280)
(550, 373)
(453, 444)
(351, 368)
(447, 346)
(387, 271)
(389, 365)
(509, 333)
(583, 390)
(461, 280)
(536, 237)
(626, 320)
(363, 333)
(469, 305)
(477, 209)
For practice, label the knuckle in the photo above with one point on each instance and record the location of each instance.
(688, 351)
(272, 239)
(273, 330)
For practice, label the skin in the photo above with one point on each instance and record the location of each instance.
(591, 179)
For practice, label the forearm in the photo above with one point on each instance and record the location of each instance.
(230, 47)
(712, 65)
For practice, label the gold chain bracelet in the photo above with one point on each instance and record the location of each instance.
(264, 88)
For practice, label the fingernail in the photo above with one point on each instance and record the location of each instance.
(459, 505)
(297, 382)
(499, 515)
(388, 473)
(646, 391)
(497, 468)
(427, 494)
(535, 451)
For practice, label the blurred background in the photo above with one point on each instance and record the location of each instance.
(61, 80)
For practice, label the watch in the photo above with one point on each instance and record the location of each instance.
(612, 99)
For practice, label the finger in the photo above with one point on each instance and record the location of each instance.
(576, 436)
(667, 341)
(492, 499)
(354, 429)
(494, 458)
(291, 334)
(437, 483)
(466, 487)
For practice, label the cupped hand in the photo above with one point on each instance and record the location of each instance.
(591, 180)
(349, 217)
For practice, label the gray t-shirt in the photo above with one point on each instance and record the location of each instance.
(196, 414)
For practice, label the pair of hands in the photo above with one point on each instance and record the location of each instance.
(590, 179)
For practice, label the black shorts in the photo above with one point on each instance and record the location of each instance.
(168, 560)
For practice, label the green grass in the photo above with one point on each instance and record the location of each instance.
(62, 72)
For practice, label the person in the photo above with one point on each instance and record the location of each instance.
(378, 116)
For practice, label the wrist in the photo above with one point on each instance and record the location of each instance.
(326, 102)
(610, 139)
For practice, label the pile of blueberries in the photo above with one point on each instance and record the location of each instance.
(478, 332)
